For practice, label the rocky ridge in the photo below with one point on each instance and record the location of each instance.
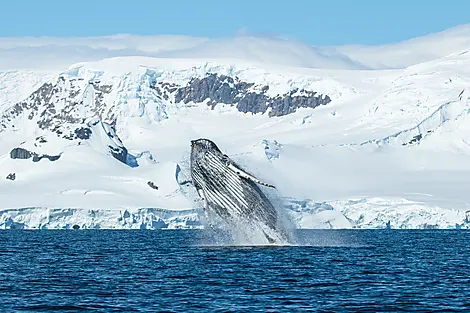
(62, 106)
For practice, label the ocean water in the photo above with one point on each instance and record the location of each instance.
(185, 271)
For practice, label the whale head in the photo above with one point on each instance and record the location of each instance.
(203, 144)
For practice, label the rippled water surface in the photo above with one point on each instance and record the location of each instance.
(183, 271)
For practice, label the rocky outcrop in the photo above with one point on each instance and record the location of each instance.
(23, 154)
(83, 133)
(52, 158)
(11, 176)
(20, 153)
(64, 101)
(63, 105)
(152, 185)
(41, 139)
(119, 153)
(224, 89)
(106, 137)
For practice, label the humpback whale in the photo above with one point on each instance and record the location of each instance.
(231, 193)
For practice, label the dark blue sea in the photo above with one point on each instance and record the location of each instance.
(185, 271)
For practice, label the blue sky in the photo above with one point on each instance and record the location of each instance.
(325, 22)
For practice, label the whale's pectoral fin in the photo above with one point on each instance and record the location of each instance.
(242, 173)
(181, 178)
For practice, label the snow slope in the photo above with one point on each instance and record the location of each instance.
(391, 149)
(18, 85)
(410, 52)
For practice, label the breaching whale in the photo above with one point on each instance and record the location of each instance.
(230, 192)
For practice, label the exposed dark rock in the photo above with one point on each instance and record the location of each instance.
(415, 139)
(119, 153)
(41, 104)
(73, 94)
(219, 89)
(20, 153)
(52, 158)
(11, 176)
(41, 139)
(225, 89)
(152, 185)
(83, 133)
(163, 89)
(23, 154)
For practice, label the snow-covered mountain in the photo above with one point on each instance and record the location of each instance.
(410, 52)
(58, 53)
(50, 53)
(106, 143)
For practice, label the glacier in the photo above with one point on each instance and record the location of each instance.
(367, 213)
(346, 148)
